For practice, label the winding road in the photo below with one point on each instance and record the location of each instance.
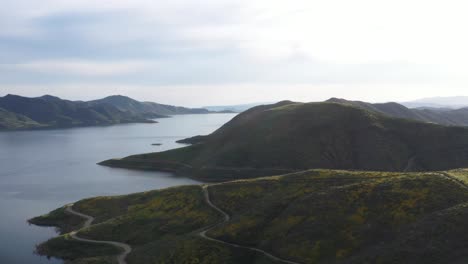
(226, 219)
(453, 179)
(89, 220)
(203, 234)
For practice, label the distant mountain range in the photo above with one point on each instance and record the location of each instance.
(439, 102)
(18, 112)
(233, 108)
(288, 136)
(443, 116)
(433, 103)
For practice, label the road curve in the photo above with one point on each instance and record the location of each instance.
(226, 219)
(89, 220)
(454, 179)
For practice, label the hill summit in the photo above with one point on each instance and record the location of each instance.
(289, 136)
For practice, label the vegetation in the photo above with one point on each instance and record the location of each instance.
(64, 222)
(317, 216)
(9, 120)
(459, 174)
(288, 137)
(159, 225)
(75, 252)
(52, 112)
(322, 218)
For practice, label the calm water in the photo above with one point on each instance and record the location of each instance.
(43, 170)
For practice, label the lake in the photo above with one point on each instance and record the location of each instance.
(43, 170)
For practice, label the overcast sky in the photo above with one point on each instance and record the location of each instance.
(205, 52)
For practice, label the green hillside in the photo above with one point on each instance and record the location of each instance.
(52, 112)
(9, 120)
(317, 216)
(287, 137)
(18, 112)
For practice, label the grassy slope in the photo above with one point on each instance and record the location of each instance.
(293, 137)
(159, 225)
(75, 252)
(9, 120)
(317, 216)
(52, 112)
(333, 220)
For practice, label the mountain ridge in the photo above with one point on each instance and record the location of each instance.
(443, 116)
(288, 136)
(48, 111)
(151, 109)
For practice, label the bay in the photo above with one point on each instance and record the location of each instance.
(43, 170)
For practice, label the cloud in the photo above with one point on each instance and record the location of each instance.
(335, 31)
(83, 67)
(220, 70)
(229, 43)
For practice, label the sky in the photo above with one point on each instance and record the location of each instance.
(214, 52)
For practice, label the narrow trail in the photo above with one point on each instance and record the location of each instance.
(226, 219)
(89, 220)
(453, 179)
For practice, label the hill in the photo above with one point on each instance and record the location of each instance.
(318, 216)
(9, 120)
(443, 116)
(287, 137)
(53, 112)
(149, 109)
(18, 112)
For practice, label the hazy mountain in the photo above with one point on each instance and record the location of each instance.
(443, 116)
(53, 112)
(287, 136)
(233, 108)
(149, 109)
(439, 102)
(18, 112)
